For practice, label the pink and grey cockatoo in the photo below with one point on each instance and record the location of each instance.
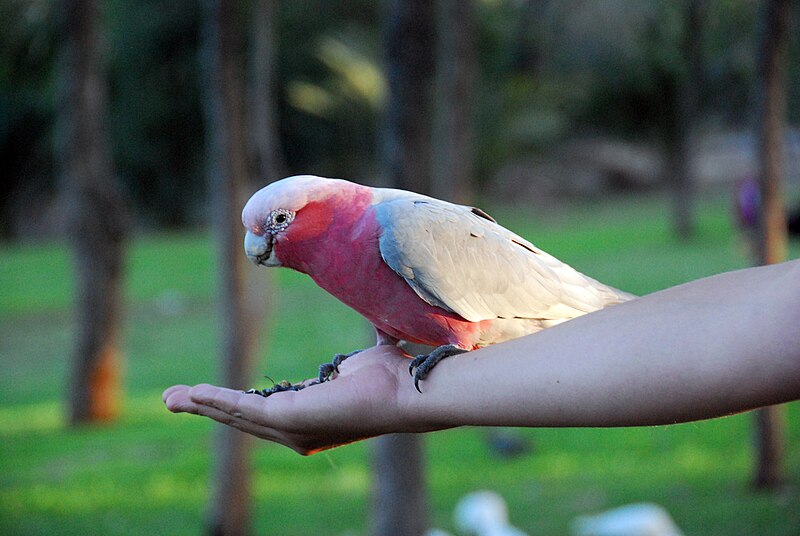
(419, 269)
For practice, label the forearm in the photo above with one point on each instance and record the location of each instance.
(705, 349)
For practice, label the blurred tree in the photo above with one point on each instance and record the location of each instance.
(240, 303)
(263, 126)
(453, 142)
(399, 501)
(410, 44)
(679, 124)
(399, 490)
(97, 224)
(548, 71)
(771, 109)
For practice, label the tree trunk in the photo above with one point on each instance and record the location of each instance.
(269, 165)
(97, 224)
(769, 472)
(399, 506)
(230, 184)
(772, 128)
(455, 130)
(410, 44)
(770, 441)
(680, 135)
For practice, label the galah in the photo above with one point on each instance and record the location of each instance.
(417, 268)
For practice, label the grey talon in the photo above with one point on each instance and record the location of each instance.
(425, 363)
(326, 370)
(277, 388)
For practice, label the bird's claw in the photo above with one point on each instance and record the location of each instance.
(424, 363)
(279, 388)
(326, 370)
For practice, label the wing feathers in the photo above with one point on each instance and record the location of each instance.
(458, 258)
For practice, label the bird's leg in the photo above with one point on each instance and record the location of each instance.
(326, 370)
(424, 363)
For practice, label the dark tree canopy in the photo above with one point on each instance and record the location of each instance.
(546, 71)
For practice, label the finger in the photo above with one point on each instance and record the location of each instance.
(177, 400)
(227, 400)
(170, 390)
(282, 411)
(245, 425)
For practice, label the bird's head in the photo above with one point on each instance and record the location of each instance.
(290, 211)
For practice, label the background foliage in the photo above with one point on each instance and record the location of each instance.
(549, 72)
(149, 472)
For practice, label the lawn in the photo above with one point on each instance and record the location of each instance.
(148, 473)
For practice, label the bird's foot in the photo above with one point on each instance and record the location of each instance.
(326, 370)
(280, 387)
(424, 363)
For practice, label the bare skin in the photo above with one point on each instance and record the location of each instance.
(709, 348)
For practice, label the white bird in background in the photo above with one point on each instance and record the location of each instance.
(640, 519)
(484, 513)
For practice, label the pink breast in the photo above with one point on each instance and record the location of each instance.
(391, 305)
(350, 267)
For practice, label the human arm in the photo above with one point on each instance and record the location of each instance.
(709, 348)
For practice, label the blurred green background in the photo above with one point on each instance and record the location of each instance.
(574, 106)
(149, 472)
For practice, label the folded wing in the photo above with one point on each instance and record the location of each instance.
(458, 258)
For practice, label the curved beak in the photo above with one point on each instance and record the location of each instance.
(259, 249)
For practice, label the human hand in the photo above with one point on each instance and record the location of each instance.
(364, 400)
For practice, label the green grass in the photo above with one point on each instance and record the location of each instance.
(148, 473)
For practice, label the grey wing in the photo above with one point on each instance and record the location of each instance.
(458, 258)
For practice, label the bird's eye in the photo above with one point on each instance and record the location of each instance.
(280, 218)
